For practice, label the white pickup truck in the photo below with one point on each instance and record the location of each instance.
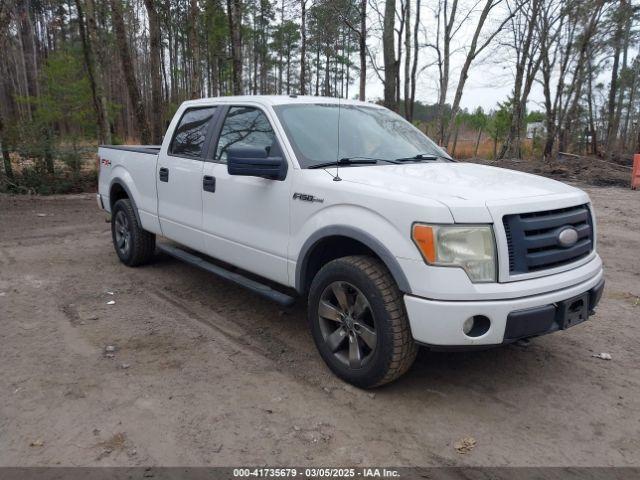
(393, 243)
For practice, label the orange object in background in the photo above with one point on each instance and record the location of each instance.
(635, 173)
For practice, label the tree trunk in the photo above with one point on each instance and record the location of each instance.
(6, 158)
(389, 54)
(579, 77)
(48, 153)
(628, 142)
(303, 48)
(475, 149)
(327, 82)
(592, 128)
(254, 86)
(455, 140)
(289, 71)
(628, 17)
(362, 46)
(234, 8)
(129, 73)
(172, 62)
(29, 68)
(612, 128)
(613, 115)
(155, 53)
(414, 67)
(407, 60)
(399, 32)
(548, 105)
(88, 35)
(194, 47)
(472, 52)
(512, 146)
(280, 58)
(318, 71)
(449, 19)
(28, 46)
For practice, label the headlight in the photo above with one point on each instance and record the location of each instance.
(471, 248)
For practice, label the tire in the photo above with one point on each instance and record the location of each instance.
(355, 355)
(134, 246)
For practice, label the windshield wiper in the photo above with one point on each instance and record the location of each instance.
(419, 158)
(352, 161)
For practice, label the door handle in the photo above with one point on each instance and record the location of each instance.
(164, 174)
(209, 183)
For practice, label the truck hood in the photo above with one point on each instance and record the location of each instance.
(477, 184)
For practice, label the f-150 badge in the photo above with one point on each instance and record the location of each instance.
(307, 198)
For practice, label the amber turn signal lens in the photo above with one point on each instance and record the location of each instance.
(423, 236)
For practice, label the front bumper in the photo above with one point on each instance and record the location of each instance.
(440, 323)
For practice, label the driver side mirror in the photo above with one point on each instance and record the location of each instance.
(254, 162)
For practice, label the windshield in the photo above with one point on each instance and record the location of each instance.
(369, 132)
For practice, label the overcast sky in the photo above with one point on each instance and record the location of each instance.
(486, 86)
(491, 76)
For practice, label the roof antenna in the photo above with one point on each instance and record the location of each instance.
(337, 177)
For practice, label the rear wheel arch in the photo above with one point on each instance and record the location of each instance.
(118, 190)
(330, 243)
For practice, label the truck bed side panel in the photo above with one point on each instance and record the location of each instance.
(136, 170)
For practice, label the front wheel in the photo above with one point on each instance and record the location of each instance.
(359, 323)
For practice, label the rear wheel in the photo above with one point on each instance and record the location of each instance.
(358, 322)
(133, 245)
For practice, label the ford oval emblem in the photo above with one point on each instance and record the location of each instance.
(568, 237)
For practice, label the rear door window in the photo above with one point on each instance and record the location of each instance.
(191, 132)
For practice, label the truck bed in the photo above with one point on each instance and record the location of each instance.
(149, 149)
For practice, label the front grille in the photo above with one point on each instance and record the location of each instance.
(533, 238)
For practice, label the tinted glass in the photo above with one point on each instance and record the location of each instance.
(245, 126)
(364, 132)
(192, 132)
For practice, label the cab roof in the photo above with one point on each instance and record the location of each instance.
(278, 100)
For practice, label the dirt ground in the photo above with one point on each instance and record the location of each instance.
(206, 373)
(592, 171)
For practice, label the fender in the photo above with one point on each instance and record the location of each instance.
(121, 183)
(356, 234)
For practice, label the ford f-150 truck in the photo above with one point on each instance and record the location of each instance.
(393, 243)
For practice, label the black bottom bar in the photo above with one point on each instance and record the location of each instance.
(254, 286)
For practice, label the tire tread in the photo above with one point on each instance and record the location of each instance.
(403, 348)
(143, 243)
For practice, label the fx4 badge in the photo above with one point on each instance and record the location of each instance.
(307, 198)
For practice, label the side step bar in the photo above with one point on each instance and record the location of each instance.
(257, 287)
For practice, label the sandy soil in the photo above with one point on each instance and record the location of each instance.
(592, 171)
(205, 373)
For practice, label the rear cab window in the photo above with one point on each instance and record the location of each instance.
(189, 138)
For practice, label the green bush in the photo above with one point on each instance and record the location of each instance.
(32, 180)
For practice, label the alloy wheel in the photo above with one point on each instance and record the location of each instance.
(347, 324)
(123, 233)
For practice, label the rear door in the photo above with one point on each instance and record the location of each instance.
(246, 219)
(179, 176)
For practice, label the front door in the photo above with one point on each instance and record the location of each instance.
(246, 219)
(179, 178)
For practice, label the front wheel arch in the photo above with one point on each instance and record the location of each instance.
(350, 241)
